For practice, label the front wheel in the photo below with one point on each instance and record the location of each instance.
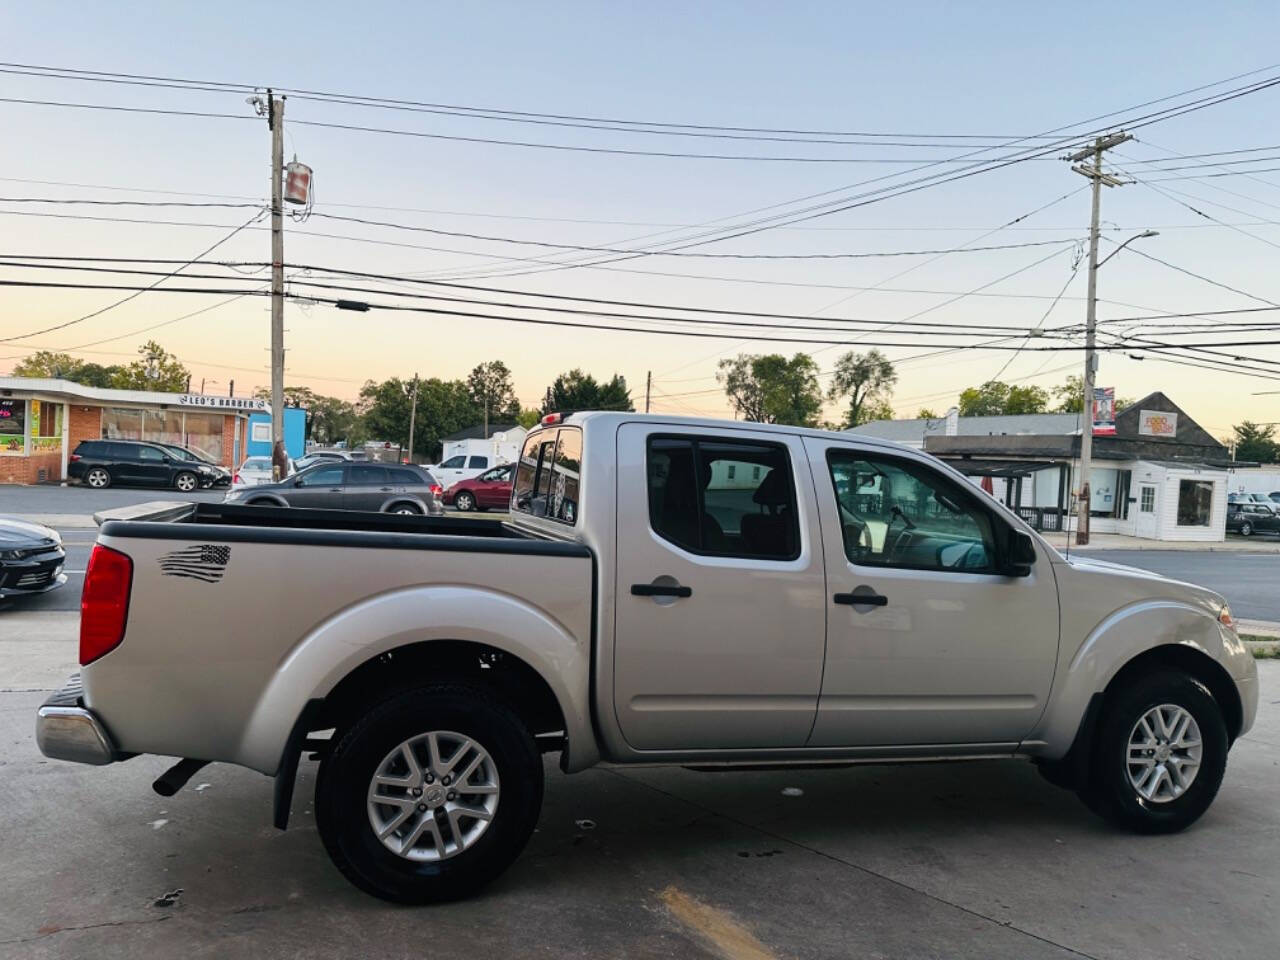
(430, 795)
(465, 502)
(1160, 754)
(1246, 529)
(186, 481)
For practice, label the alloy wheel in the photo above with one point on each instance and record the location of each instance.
(1164, 753)
(97, 478)
(433, 796)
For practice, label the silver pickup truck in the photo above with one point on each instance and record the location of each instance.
(667, 590)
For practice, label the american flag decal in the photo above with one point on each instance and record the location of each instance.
(206, 561)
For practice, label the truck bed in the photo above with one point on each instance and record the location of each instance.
(238, 615)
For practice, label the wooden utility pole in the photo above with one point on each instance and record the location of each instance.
(1099, 179)
(275, 120)
(413, 414)
(648, 383)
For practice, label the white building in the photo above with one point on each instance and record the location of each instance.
(1160, 476)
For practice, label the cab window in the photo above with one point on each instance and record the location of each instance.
(900, 513)
(724, 498)
(455, 463)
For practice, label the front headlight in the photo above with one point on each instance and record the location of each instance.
(10, 554)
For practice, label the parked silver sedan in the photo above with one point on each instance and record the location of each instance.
(342, 485)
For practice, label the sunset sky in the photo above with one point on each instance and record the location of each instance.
(994, 71)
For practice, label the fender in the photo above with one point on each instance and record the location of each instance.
(334, 648)
(1115, 641)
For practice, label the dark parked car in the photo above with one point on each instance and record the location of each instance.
(491, 489)
(31, 558)
(100, 463)
(223, 478)
(386, 488)
(1246, 518)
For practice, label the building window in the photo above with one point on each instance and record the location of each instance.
(121, 423)
(13, 427)
(46, 426)
(202, 432)
(1195, 503)
(1148, 503)
(1109, 493)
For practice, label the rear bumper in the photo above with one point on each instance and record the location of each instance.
(66, 730)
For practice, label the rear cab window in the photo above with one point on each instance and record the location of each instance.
(547, 477)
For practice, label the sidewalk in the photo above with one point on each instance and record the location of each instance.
(1114, 541)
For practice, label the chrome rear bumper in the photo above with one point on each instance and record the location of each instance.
(66, 730)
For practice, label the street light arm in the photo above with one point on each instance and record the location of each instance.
(1136, 236)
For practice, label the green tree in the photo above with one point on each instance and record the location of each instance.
(769, 388)
(867, 379)
(47, 363)
(329, 419)
(1070, 396)
(926, 413)
(157, 369)
(1256, 443)
(995, 397)
(489, 386)
(528, 417)
(576, 390)
(444, 407)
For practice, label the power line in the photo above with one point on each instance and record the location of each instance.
(136, 293)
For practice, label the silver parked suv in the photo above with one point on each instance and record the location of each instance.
(343, 485)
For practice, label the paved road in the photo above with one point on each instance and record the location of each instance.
(1247, 580)
(976, 860)
(82, 500)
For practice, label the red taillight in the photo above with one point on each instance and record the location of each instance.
(104, 603)
(551, 418)
(236, 478)
(437, 489)
(74, 457)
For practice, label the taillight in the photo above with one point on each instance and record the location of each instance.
(236, 478)
(104, 603)
(437, 489)
(74, 457)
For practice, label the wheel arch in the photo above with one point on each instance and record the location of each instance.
(1197, 665)
(432, 632)
(275, 501)
(408, 499)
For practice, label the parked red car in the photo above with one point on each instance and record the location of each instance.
(491, 489)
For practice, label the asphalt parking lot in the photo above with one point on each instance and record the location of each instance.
(982, 860)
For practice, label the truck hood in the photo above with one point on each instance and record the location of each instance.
(1102, 580)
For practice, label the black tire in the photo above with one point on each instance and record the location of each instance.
(99, 478)
(186, 481)
(464, 501)
(345, 774)
(1246, 529)
(1109, 792)
(263, 502)
(407, 509)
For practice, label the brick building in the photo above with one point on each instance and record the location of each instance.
(42, 421)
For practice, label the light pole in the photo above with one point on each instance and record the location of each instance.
(1090, 369)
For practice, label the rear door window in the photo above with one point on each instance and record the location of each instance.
(404, 475)
(478, 463)
(562, 492)
(723, 497)
(366, 474)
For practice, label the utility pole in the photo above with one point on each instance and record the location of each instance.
(1099, 179)
(648, 382)
(486, 416)
(413, 414)
(275, 120)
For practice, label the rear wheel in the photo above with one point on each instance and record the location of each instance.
(1160, 754)
(186, 481)
(405, 509)
(430, 795)
(98, 478)
(465, 501)
(1246, 529)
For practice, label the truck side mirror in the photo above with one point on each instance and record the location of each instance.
(1021, 555)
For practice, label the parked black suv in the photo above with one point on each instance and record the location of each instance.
(100, 463)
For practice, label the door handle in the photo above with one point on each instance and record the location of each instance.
(385, 489)
(659, 590)
(872, 599)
